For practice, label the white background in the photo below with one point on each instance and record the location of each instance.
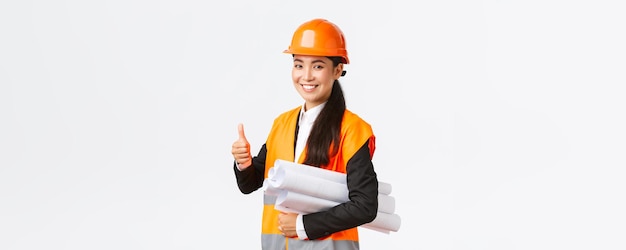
(500, 124)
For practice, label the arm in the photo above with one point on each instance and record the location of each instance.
(360, 209)
(251, 178)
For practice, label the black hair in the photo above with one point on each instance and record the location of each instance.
(324, 139)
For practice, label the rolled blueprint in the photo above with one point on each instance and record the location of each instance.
(293, 202)
(313, 171)
(384, 223)
(290, 201)
(314, 176)
(386, 203)
(308, 184)
(305, 189)
(384, 188)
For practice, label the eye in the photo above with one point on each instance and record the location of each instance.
(318, 67)
(297, 66)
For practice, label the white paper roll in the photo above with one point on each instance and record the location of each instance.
(293, 202)
(386, 221)
(269, 189)
(305, 189)
(386, 204)
(310, 170)
(320, 173)
(291, 180)
(301, 203)
(384, 188)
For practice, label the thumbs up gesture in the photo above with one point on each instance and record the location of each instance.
(241, 150)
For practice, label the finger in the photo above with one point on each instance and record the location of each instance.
(242, 158)
(240, 145)
(242, 135)
(241, 151)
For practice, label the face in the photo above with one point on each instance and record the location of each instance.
(313, 78)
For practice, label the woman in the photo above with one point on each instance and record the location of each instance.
(321, 133)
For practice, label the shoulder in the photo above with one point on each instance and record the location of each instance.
(288, 115)
(291, 112)
(356, 132)
(352, 121)
(350, 117)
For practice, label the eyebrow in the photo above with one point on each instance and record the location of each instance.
(314, 61)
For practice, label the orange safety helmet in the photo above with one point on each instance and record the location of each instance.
(319, 37)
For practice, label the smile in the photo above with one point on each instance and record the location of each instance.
(308, 87)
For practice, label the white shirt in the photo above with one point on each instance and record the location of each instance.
(305, 122)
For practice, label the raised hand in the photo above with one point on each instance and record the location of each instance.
(241, 150)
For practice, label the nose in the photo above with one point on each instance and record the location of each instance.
(308, 74)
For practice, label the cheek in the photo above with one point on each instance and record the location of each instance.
(327, 77)
(294, 77)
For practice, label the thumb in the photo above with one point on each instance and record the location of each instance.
(242, 135)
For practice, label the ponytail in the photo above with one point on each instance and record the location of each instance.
(323, 142)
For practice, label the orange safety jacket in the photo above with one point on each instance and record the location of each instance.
(355, 132)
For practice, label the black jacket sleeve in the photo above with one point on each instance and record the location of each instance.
(360, 209)
(251, 178)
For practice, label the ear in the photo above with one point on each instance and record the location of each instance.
(338, 71)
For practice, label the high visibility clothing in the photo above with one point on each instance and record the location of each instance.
(355, 133)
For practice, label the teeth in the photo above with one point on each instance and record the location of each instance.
(308, 87)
